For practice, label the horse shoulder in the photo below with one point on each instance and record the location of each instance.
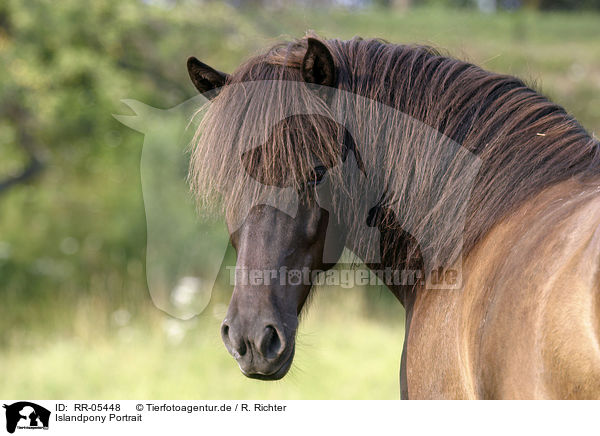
(531, 300)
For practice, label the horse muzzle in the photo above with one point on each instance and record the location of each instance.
(262, 349)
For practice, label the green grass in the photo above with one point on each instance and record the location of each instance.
(341, 354)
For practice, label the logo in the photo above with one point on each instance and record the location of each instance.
(26, 415)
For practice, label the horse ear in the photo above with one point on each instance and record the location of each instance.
(318, 66)
(203, 77)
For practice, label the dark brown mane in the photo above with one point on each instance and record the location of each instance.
(525, 142)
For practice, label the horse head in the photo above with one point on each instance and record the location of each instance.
(276, 252)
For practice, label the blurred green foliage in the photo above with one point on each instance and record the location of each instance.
(564, 4)
(66, 65)
(544, 5)
(73, 239)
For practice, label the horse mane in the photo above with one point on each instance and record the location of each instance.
(525, 143)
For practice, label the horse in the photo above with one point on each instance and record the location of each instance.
(522, 321)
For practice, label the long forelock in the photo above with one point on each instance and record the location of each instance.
(253, 113)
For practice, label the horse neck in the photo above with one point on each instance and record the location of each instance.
(489, 160)
(400, 255)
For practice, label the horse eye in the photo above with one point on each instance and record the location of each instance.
(317, 175)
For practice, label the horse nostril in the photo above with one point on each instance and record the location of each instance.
(236, 349)
(241, 349)
(225, 332)
(270, 345)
